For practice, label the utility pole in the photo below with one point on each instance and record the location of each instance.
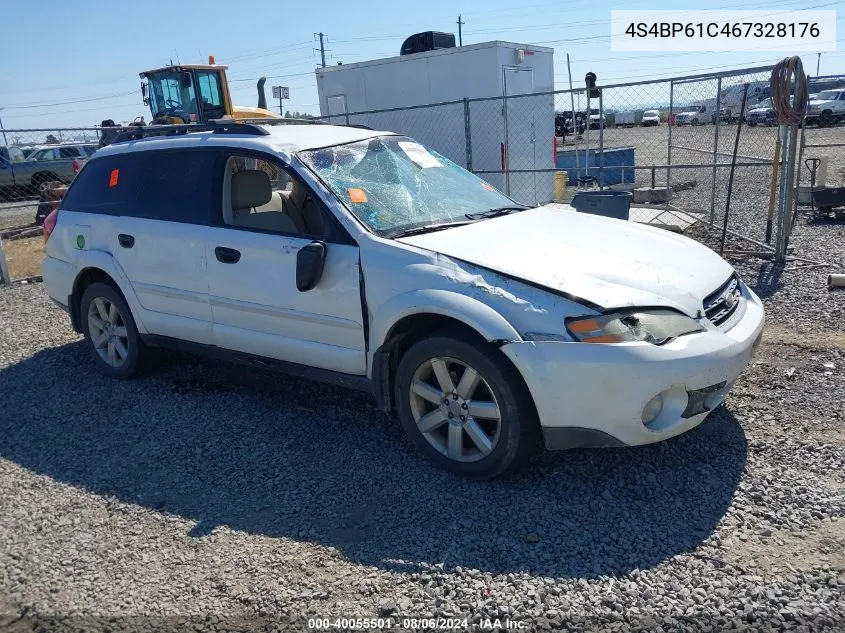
(5, 142)
(460, 33)
(818, 61)
(322, 49)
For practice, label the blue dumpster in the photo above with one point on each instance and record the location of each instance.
(610, 204)
(618, 164)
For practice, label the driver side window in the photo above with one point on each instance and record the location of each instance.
(263, 194)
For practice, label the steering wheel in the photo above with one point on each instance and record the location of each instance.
(173, 103)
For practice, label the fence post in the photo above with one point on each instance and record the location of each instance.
(587, 138)
(794, 211)
(4, 267)
(347, 117)
(716, 149)
(467, 134)
(506, 151)
(669, 142)
(601, 138)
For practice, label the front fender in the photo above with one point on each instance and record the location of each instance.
(103, 260)
(470, 311)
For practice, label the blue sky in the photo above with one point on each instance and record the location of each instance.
(76, 63)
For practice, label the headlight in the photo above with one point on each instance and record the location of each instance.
(652, 326)
(814, 108)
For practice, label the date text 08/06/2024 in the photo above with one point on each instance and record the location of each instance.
(411, 624)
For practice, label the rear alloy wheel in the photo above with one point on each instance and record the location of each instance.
(110, 331)
(464, 406)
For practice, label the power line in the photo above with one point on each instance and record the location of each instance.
(69, 101)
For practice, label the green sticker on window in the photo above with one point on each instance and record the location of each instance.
(80, 241)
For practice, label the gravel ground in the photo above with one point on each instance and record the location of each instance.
(219, 497)
(15, 214)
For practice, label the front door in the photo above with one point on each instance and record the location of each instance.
(252, 255)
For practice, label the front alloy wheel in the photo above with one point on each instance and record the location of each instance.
(455, 409)
(464, 406)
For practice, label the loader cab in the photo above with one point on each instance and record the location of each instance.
(186, 94)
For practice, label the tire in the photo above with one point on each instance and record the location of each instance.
(826, 119)
(480, 446)
(752, 124)
(102, 303)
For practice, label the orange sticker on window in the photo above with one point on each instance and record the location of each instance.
(357, 196)
(115, 173)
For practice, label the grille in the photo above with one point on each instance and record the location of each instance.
(720, 305)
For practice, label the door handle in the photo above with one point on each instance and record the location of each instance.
(126, 241)
(227, 255)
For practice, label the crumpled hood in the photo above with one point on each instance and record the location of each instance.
(610, 263)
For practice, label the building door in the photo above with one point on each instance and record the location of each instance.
(520, 133)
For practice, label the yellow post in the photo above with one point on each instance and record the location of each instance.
(561, 180)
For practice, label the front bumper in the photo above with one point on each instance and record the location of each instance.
(593, 394)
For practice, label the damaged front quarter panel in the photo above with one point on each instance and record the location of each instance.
(499, 307)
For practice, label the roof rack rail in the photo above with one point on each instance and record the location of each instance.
(282, 121)
(215, 126)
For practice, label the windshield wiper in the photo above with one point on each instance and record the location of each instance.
(428, 229)
(495, 212)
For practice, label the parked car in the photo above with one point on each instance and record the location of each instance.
(17, 174)
(827, 108)
(45, 164)
(726, 115)
(761, 114)
(367, 260)
(597, 121)
(651, 118)
(697, 115)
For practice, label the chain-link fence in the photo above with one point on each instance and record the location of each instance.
(669, 141)
(35, 165)
(822, 155)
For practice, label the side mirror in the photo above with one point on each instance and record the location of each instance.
(186, 80)
(310, 261)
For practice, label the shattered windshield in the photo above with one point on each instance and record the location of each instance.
(395, 185)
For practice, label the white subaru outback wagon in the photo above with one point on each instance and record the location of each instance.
(365, 259)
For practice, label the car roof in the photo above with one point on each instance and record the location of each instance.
(284, 139)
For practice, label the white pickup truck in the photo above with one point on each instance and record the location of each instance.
(827, 108)
(695, 115)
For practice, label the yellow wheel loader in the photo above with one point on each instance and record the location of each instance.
(186, 94)
(196, 93)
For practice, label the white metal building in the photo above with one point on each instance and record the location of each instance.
(515, 136)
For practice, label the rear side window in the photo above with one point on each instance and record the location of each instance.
(106, 186)
(176, 186)
(157, 185)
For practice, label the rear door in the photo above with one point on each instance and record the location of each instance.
(163, 203)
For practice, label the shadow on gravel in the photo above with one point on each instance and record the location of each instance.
(768, 280)
(273, 455)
